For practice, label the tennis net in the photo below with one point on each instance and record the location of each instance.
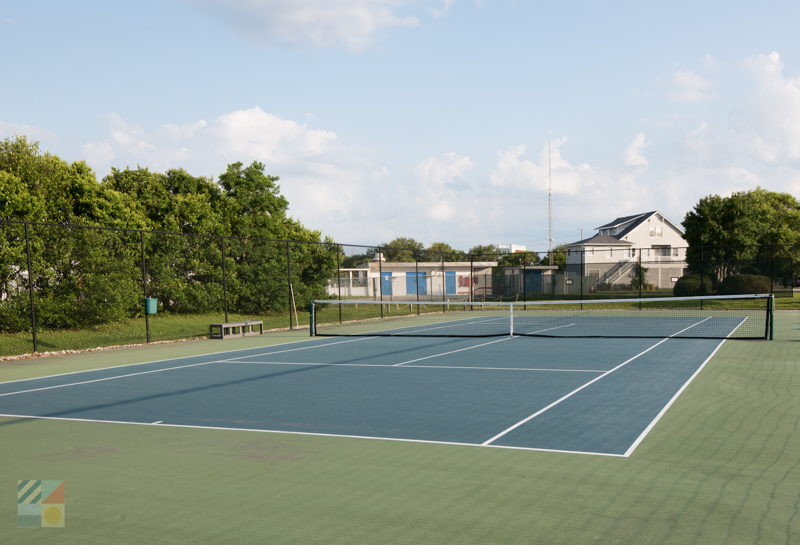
(709, 317)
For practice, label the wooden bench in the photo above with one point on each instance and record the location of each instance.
(236, 329)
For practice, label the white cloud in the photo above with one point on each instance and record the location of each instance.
(326, 183)
(440, 179)
(352, 23)
(39, 134)
(688, 87)
(512, 170)
(633, 153)
(241, 135)
(583, 194)
(769, 128)
(256, 133)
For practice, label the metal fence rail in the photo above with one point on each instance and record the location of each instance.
(65, 287)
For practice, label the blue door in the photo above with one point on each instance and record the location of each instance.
(450, 282)
(386, 283)
(416, 283)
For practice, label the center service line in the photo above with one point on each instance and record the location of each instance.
(453, 351)
(576, 390)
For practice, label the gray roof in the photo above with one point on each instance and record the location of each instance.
(635, 221)
(625, 219)
(605, 240)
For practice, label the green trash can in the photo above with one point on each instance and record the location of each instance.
(151, 305)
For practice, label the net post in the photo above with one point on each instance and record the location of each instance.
(511, 319)
(312, 319)
(771, 317)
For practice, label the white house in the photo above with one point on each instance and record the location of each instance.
(610, 257)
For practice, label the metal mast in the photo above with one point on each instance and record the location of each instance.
(549, 204)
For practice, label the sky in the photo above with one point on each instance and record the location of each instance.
(440, 120)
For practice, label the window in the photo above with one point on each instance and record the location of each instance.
(663, 251)
(609, 253)
(631, 252)
(645, 252)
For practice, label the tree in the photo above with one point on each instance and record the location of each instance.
(252, 208)
(81, 276)
(401, 249)
(488, 250)
(639, 278)
(741, 233)
(442, 250)
(184, 272)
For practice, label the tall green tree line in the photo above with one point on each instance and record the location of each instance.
(84, 276)
(748, 232)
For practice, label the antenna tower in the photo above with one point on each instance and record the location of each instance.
(549, 204)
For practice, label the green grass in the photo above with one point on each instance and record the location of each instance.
(721, 467)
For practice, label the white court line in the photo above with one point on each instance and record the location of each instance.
(165, 359)
(548, 329)
(576, 390)
(453, 351)
(297, 349)
(387, 366)
(187, 366)
(107, 378)
(666, 407)
(455, 323)
(306, 433)
(478, 345)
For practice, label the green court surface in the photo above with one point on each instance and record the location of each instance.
(720, 467)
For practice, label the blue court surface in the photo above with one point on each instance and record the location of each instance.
(594, 396)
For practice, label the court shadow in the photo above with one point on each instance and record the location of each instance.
(73, 412)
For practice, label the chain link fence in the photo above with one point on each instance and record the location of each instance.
(68, 287)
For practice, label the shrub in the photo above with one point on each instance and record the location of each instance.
(744, 283)
(689, 285)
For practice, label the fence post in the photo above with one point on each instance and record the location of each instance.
(416, 276)
(702, 274)
(582, 271)
(289, 281)
(144, 286)
(471, 278)
(524, 288)
(339, 250)
(30, 287)
(641, 277)
(380, 278)
(771, 268)
(224, 279)
(444, 283)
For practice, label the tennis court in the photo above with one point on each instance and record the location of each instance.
(595, 396)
